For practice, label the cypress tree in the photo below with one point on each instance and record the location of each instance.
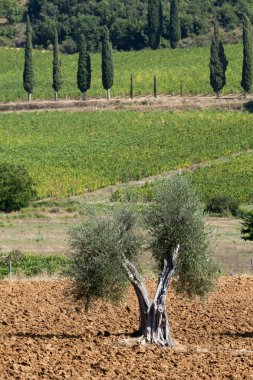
(247, 56)
(155, 87)
(155, 20)
(175, 28)
(84, 68)
(218, 63)
(107, 63)
(131, 86)
(28, 74)
(56, 66)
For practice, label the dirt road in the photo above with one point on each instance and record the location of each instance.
(162, 102)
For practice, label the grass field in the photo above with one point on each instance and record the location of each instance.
(43, 230)
(68, 153)
(191, 66)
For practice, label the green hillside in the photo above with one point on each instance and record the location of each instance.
(233, 177)
(126, 20)
(67, 153)
(191, 66)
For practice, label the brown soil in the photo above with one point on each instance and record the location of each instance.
(143, 103)
(44, 335)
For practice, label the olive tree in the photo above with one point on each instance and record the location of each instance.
(105, 251)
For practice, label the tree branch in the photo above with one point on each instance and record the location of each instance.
(140, 290)
(166, 276)
(136, 280)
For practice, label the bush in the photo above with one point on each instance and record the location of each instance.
(224, 205)
(16, 187)
(247, 227)
(143, 193)
(69, 46)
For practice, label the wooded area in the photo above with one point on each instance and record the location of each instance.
(127, 21)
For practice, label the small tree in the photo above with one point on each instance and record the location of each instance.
(175, 28)
(105, 250)
(56, 66)
(218, 63)
(131, 86)
(247, 68)
(247, 227)
(84, 68)
(28, 74)
(107, 63)
(16, 187)
(155, 23)
(155, 87)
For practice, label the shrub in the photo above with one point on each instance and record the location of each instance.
(224, 205)
(247, 227)
(16, 187)
(69, 46)
(134, 194)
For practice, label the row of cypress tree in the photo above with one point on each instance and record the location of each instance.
(219, 63)
(155, 23)
(84, 65)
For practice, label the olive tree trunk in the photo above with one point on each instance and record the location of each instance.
(153, 321)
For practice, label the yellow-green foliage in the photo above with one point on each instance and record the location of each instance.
(170, 66)
(232, 178)
(69, 152)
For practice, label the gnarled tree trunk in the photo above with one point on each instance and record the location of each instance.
(153, 323)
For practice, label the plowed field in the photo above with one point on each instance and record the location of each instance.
(45, 335)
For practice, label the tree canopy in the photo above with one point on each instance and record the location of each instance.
(218, 62)
(28, 73)
(127, 21)
(16, 187)
(247, 68)
(84, 67)
(155, 19)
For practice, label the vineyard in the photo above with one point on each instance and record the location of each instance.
(233, 178)
(70, 153)
(191, 66)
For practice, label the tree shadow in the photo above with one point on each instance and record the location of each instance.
(45, 336)
(249, 106)
(239, 334)
(134, 334)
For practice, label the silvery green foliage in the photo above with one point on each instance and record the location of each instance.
(176, 218)
(97, 249)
